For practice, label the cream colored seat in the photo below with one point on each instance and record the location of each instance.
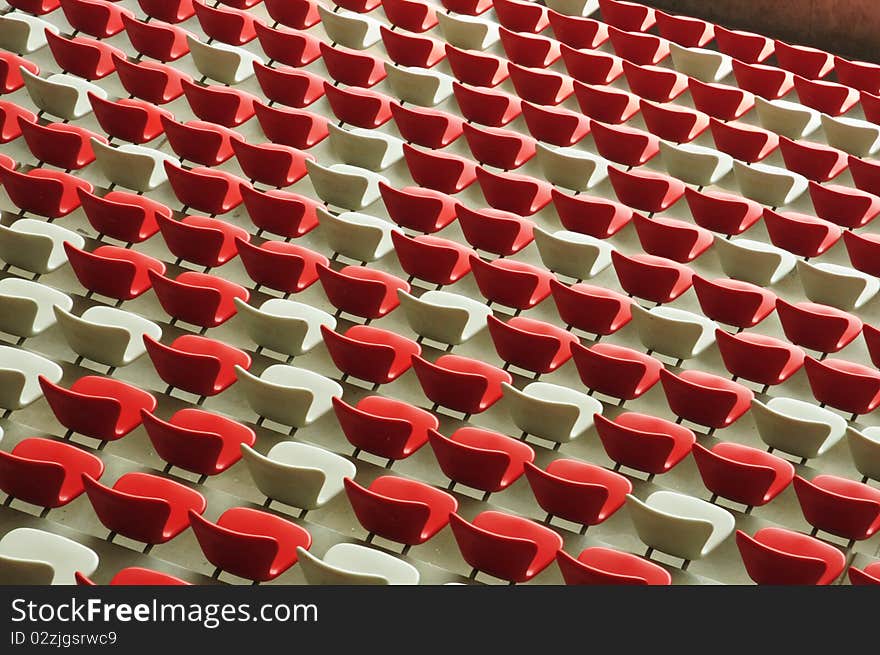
(22, 33)
(349, 29)
(26, 308)
(357, 236)
(695, 164)
(799, 428)
(298, 474)
(857, 137)
(369, 149)
(864, 446)
(132, 166)
(704, 65)
(443, 316)
(579, 256)
(839, 286)
(107, 335)
(419, 86)
(754, 261)
(468, 32)
(571, 168)
(573, 7)
(292, 396)
(342, 185)
(222, 63)
(550, 411)
(36, 246)
(787, 118)
(61, 95)
(37, 557)
(673, 332)
(284, 326)
(351, 564)
(19, 373)
(769, 185)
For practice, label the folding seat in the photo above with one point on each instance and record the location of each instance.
(815, 161)
(684, 31)
(705, 399)
(679, 525)
(370, 354)
(20, 371)
(796, 427)
(776, 556)
(767, 82)
(10, 113)
(671, 238)
(468, 32)
(270, 163)
(417, 208)
(592, 67)
(442, 172)
(863, 251)
(298, 14)
(426, 127)
(289, 86)
(841, 507)
(38, 557)
(349, 29)
(370, 149)
(343, 185)
(447, 318)
(81, 56)
(26, 308)
(410, 15)
(817, 327)
(461, 384)
(117, 273)
(290, 47)
(361, 237)
(747, 47)
(540, 86)
(149, 80)
(616, 371)
(555, 125)
(409, 49)
(351, 564)
(486, 107)
(495, 231)
(624, 145)
(630, 16)
(591, 215)
(870, 575)
(769, 185)
(604, 566)
(734, 302)
(156, 40)
(653, 82)
(649, 277)
(828, 97)
(227, 25)
(673, 332)
(605, 103)
(61, 95)
(36, 246)
(124, 216)
(673, 122)
(803, 61)
(361, 107)
(285, 326)
(531, 345)
(839, 286)
(552, 412)
(134, 576)
(288, 395)
(644, 443)
(195, 364)
(44, 192)
(384, 427)
(36, 7)
(513, 192)
(744, 142)
(844, 206)
(222, 63)
(197, 298)
(572, 27)
(846, 386)
(638, 47)
(218, 104)
(578, 256)
(511, 283)
(593, 309)
(169, 11)
(361, 291)
(718, 211)
(759, 358)
(23, 33)
(520, 16)
(861, 75)
(279, 265)
(694, 164)
(133, 120)
(59, 144)
(754, 261)
(209, 190)
(200, 142)
(800, 234)
(419, 86)
(856, 137)
(291, 127)
(742, 474)
(786, 118)
(94, 17)
(645, 190)
(529, 50)
(864, 448)
(106, 335)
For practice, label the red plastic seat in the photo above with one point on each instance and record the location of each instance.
(577, 491)
(404, 511)
(865, 174)
(684, 30)
(592, 215)
(409, 49)
(705, 399)
(521, 16)
(531, 345)
(513, 192)
(591, 66)
(10, 75)
(555, 125)
(101, 408)
(46, 472)
(539, 86)
(815, 161)
(801, 234)
(359, 6)
(290, 47)
(292, 127)
(623, 144)
(817, 327)
(169, 11)
(653, 82)
(870, 575)
(129, 119)
(36, 7)
(150, 81)
(144, 507)
(197, 365)
(475, 67)
(733, 302)
(671, 238)
(385, 427)
(410, 15)
(745, 46)
(864, 251)
(122, 215)
(768, 82)
(606, 103)
(270, 163)
(198, 441)
(361, 291)
(81, 56)
(156, 40)
(286, 214)
(282, 266)
(118, 273)
(528, 49)
(231, 26)
(460, 383)
(432, 259)
(644, 189)
(207, 190)
(742, 474)
(200, 142)
(42, 191)
(135, 576)
(298, 14)
(10, 115)
(657, 279)
(744, 142)
(60, 144)
(759, 358)
(207, 242)
(356, 106)
(604, 566)
(94, 17)
(498, 147)
(577, 31)
(218, 104)
(426, 127)
(493, 230)
(776, 556)
(417, 208)
(484, 106)
(847, 386)
(673, 122)
(844, 206)
(828, 97)
(249, 543)
(644, 443)
(511, 283)
(372, 354)
(593, 309)
(861, 75)
(352, 67)
(721, 212)
(841, 507)
(198, 298)
(804, 61)
(480, 459)
(638, 47)
(726, 103)
(289, 86)
(442, 172)
(615, 371)
(631, 16)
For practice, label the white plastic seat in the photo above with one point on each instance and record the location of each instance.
(695, 164)
(22, 33)
(839, 286)
(30, 556)
(551, 411)
(857, 137)
(107, 335)
(221, 62)
(468, 32)
(576, 255)
(704, 65)
(19, 373)
(351, 564)
(369, 149)
(349, 29)
(61, 95)
(787, 118)
(132, 166)
(292, 396)
(419, 86)
(284, 326)
(864, 446)
(680, 525)
(444, 317)
(26, 307)
(361, 237)
(36, 246)
(754, 261)
(571, 168)
(673, 332)
(298, 474)
(342, 185)
(797, 427)
(769, 185)
(573, 7)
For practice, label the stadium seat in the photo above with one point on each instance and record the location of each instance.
(352, 564)
(777, 556)
(644, 443)
(673, 332)
(742, 474)
(549, 411)
(605, 566)
(195, 364)
(797, 427)
(26, 307)
(294, 397)
(109, 336)
(652, 278)
(38, 557)
(371, 354)
(616, 371)
(444, 317)
(284, 326)
(733, 302)
(461, 384)
(361, 291)
(841, 507)
(705, 399)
